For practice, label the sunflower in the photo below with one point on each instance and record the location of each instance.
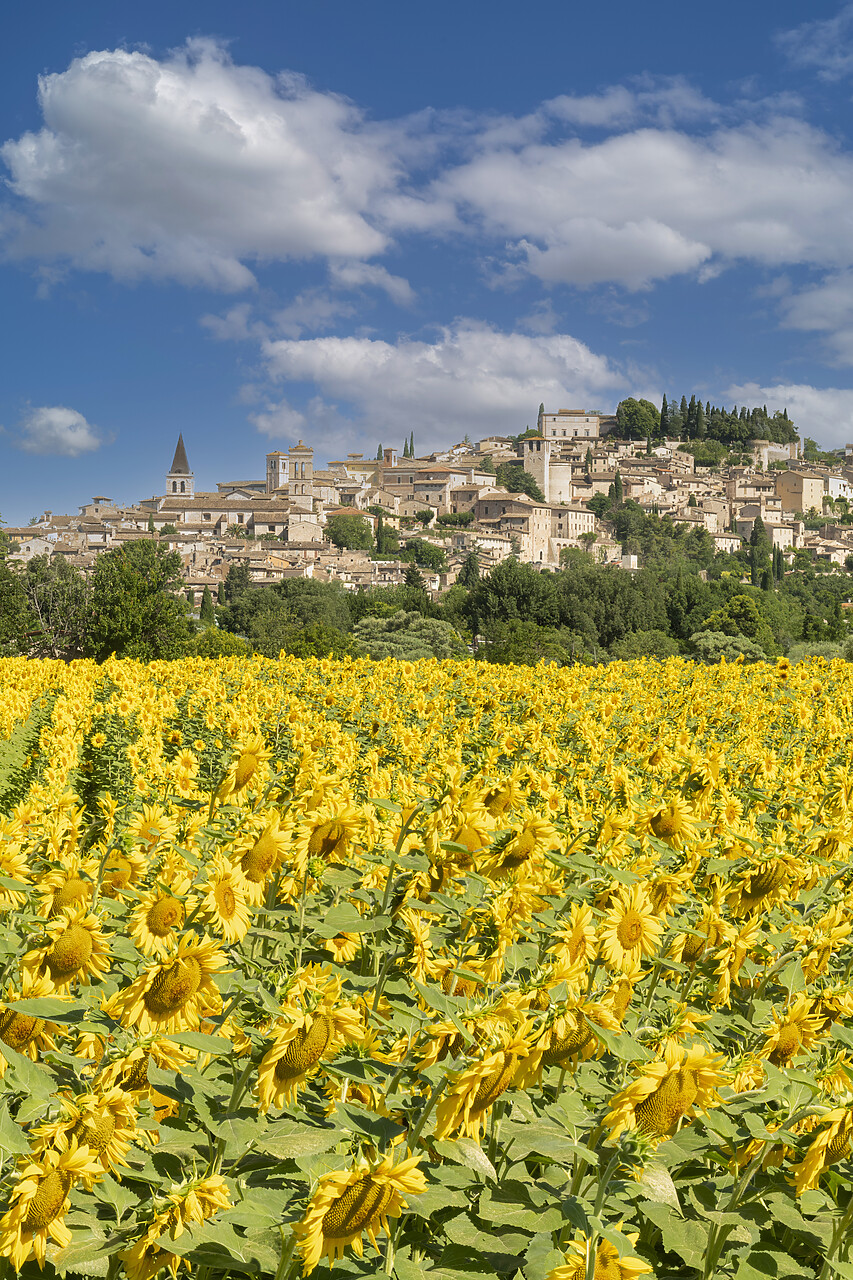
(328, 834)
(673, 822)
(474, 1090)
(570, 1035)
(151, 827)
(264, 855)
(793, 1032)
(253, 754)
(355, 1202)
(154, 923)
(610, 1264)
(831, 1144)
(172, 996)
(760, 885)
(343, 947)
(73, 950)
(535, 836)
(576, 941)
(224, 904)
(630, 929)
(38, 1203)
(666, 1092)
(70, 886)
(104, 1122)
(299, 1046)
(22, 1032)
(193, 1201)
(129, 1072)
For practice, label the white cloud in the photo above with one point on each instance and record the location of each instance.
(825, 44)
(189, 167)
(280, 420)
(53, 429)
(653, 203)
(663, 101)
(472, 378)
(824, 413)
(354, 275)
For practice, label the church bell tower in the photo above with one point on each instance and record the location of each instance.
(179, 481)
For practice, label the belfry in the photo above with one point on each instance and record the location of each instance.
(179, 480)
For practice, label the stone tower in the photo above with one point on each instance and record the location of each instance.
(180, 479)
(300, 486)
(278, 470)
(537, 460)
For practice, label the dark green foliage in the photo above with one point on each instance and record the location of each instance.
(513, 477)
(350, 532)
(135, 612)
(214, 643)
(408, 636)
(237, 582)
(469, 574)
(637, 419)
(207, 614)
(426, 554)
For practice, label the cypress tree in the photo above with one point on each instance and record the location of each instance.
(151, 528)
(380, 454)
(617, 489)
(664, 417)
(220, 593)
(207, 614)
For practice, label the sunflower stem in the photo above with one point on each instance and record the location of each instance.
(412, 1140)
(839, 1232)
(302, 917)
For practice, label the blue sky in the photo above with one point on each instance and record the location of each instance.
(344, 222)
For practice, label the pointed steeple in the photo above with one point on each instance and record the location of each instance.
(180, 465)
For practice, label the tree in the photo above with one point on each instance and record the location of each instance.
(237, 582)
(151, 526)
(207, 615)
(637, 419)
(350, 532)
(691, 501)
(617, 489)
(135, 609)
(408, 636)
(469, 574)
(426, 554)
(387, 538)
(220, 593)
(380, 453)
(599, 504)
(644, 644)
(414, 578)
(44, 609)
(487, 464)
(664, 419)
(760, 548)
(711, 646)
(214, 643)
(588, 462)
(520, 643)
(167, 530)
(512, 477)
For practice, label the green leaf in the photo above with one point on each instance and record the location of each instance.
(52, 1009)
(110, 1192)
(762, 1263)
(620, 1043)
(289, 1141)
(657, 1184)
(541, 1257)
(345, 919)
(27, 1076)
(686, 1237)
(12, 1138)
(469, 1153)
(216, 1045)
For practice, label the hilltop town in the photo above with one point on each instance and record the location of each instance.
(531, 496)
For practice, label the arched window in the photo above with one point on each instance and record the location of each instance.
(183, 487)
(174, 486)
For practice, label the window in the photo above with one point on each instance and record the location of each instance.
(174, 486)
(205, 515)
(183, 487)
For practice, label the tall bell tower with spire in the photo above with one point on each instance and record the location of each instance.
(180, 479)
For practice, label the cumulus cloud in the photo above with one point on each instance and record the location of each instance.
(824, 413)
(279, 420)
(54, 429)
(825, 45)
(471, 378)
(653, 203)
(190, 167)
(354, 275)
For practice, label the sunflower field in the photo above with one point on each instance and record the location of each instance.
(426, 970)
